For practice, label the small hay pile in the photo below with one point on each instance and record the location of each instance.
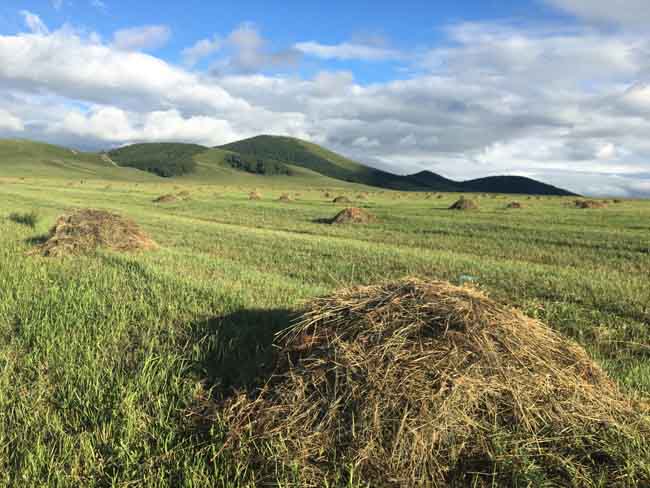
(464, 204)
(84, 230)
(254, 195)
(427, 384)
(589, 204)
(353, 215)
(285, 197)
(342, 199)
(165, 199)
(514, 205)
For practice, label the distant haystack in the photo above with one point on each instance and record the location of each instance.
(342, 199)
(464, 204)
(165, 199)
(514, 205)
(85, 230)
(353, 215)
(285, 197)
(589, 204)
(427, 384)
(254, 195)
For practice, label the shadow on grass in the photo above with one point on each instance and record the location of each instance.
(322, 221)
(37, 240)
(235, 352)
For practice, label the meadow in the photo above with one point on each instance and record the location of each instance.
(103, 358)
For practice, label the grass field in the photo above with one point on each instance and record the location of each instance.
(101, 357)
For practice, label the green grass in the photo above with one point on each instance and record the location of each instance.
(102, 356)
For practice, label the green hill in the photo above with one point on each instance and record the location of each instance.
(164, 159)
(24, 158)
(260, 160)
(316, 158)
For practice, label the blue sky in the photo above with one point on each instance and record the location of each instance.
(558, 90)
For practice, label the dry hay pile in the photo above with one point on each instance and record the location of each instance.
(464, 204)
(589, 204)
(427, 384)
(285, 197)
(342, 199)
(254, 195)
(84, 230)
(353, 215)
(165, 199)
(514, 205)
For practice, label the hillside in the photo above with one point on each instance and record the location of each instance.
(512, 184)
(24, 158)
(318, 159)
(163, 159)
(260, 160)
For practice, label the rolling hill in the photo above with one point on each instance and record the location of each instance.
(25, 158)
(323, 161)
(258, 160)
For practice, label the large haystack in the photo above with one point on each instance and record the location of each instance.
(84, 230)
(464, 204)
(427, 384)
(353, 215)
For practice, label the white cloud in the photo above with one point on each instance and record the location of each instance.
(629, 12)
(34, 23)
(200, 50)
(98, 4)
(145, 37)
(9, 122)
(249, 52)
(347, 51)
(57, 4)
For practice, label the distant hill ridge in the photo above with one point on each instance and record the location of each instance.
(264, 155)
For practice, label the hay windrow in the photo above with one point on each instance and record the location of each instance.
(427, 384)
(84, 230)
(353, 215)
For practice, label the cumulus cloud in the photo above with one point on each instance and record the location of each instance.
(145, 37)
(34, 23)
(628, 12)
(249, 52)
(200, 50)
(10, 123)
(347, 51)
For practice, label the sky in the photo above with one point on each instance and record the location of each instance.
(556, 90)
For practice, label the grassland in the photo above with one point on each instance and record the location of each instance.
(101, 357)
